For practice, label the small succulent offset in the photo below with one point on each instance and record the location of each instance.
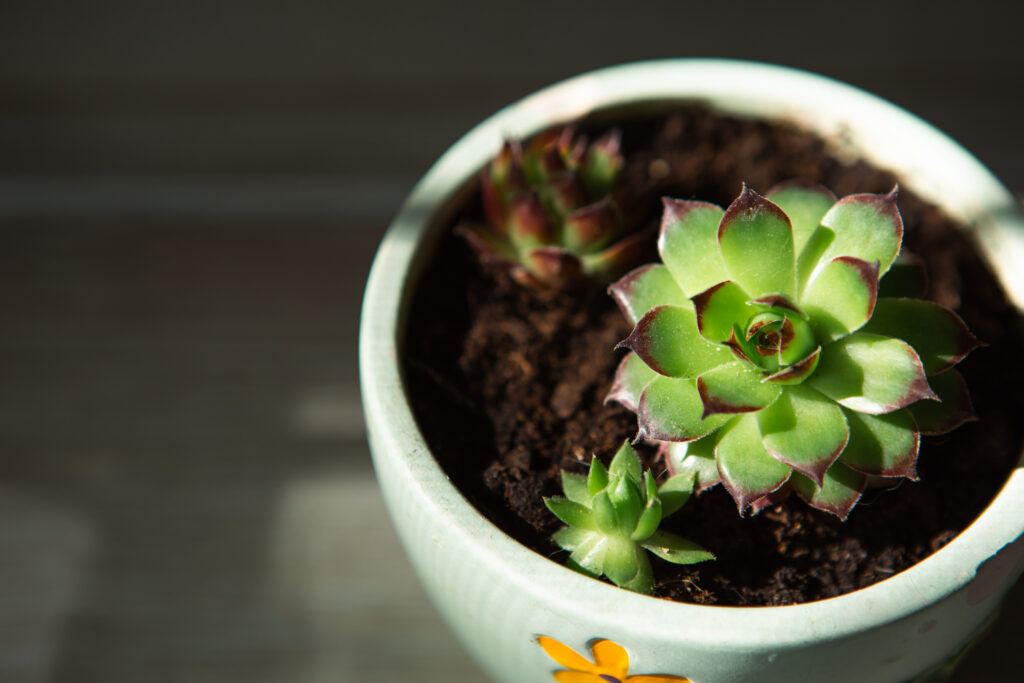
(551, 218)
(613, 516)
(764, 357)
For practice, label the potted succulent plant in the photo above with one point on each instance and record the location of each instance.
(784, 368)
(806, 377)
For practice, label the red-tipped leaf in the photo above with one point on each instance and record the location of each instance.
(804, 430)
(882, 445)
(720, 307)
(552, 265)
(671, 409)
(866, 226)
(631, 378)
(955, 408)
(529, 224)
(644, 288)
(841, 297)
(837, 493)
(756, 242)
(748, 471)
(937, 334)
(688, 244)
(591, 227)
(733, 388)
(797, 372)
(616, 259)
(871, 374)
(666, 338)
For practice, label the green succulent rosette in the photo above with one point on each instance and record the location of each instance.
(612, 517)
(765, 358)
(551, 218)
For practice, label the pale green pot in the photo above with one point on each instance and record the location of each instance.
(499, 596)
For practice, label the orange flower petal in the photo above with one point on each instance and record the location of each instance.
(656, 679)
(565, 655)
(611, 657)
(576, 677)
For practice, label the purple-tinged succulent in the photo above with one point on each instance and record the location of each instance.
(551, 217)
(764, 356)
(613, 516)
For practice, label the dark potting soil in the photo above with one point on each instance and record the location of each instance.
(508, 387)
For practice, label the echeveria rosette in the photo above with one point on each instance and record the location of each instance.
(551, 217)
(764, 356)
(613, 517)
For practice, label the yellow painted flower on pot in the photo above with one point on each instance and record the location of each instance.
(610, 665)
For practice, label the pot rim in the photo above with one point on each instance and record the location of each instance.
(929, 162)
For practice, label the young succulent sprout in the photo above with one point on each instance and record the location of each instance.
(613, 516)
(551, 218)
(765, 357)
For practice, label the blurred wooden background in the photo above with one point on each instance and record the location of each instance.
(190, 197)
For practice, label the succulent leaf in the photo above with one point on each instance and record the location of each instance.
(735, 388)
(675, 492)
(605, 514)
(668, 341)
(587, 547)
(694, 459)
(780, 302)
(631, 378)
(572, 564)
(756, 242)
(645, 288)
(488, 245)
(804, 430)
(882, 445)
(597, 478)
(626, 463)
(954, 410)
(563, 194)
(571, 513)
(688, 244)
(805, 207)
(625, 496)
(871, 374)
(937, 334)
(672, 409)
(650, 489)
(841, 297)
(603, 163)
(748, 471)
(570, 539)
(649, 520)
(837, 493)
(865, 226)
(591, 227)
(627, 565)
(677, 550)
(612, 261)
(798, 371)
(773, 498)
(544, 264)
(575, 488)
(796, 341)
(529, 225)
(718, 308)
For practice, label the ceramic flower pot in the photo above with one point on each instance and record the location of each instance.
(526, 618)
